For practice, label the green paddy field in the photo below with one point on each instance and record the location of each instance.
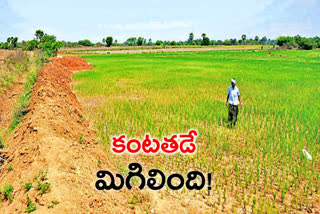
(259, 165)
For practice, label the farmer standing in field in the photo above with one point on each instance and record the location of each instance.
(234, 100)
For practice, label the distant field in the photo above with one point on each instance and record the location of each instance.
(166, 93)
(141, 49)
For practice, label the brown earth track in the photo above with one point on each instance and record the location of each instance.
(54, 137)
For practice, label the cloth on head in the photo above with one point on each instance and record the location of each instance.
(234, 81)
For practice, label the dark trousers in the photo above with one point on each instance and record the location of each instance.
(233, 113)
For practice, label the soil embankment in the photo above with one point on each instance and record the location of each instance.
(53, 138)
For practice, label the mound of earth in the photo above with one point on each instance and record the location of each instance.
(54, 149)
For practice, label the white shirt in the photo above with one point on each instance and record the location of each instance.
(233, 95)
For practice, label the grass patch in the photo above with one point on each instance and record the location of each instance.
(21, 107)
(16, 63)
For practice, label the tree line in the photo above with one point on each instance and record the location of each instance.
(42, 41)
(202, 41)
(49, 45)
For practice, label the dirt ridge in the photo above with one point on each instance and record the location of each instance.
(54, 137)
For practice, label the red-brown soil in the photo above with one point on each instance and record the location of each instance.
(53, 136)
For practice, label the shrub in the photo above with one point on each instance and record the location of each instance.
(31, 206)
(7, 192)
(307, 44)
(285, 40)
(28, 186)
(30, 45)
(85, 42)
(43, 187)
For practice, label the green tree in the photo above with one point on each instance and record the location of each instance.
(191, 37)
(233, 41)
(140, 41)
(14, 41)
(159, 42)
(256, 38)
(264, 40)
(173, 43)
(131, 41)
(39, 35)
(205, 41)
(307, 44)
(227, 42)
(85, 42)
(244, 38)
(285, 40)
(49, 45)
(31, 45)
(109, 41)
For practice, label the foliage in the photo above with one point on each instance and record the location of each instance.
(191, 37)
(53, 203)
(173, 43)
(43, 187)
(233, 41)
(28, 186)
(31, 206)
(244, 38)
(205, 41)
(140, 41)
(131, 41)
(285, 40)
(227, 42)
(7, 192)
(297, 41)
(159, 42)
(39, 35)
(85, 42)
(307, 44)
(31, 45)
(49, 45)
(109, 41)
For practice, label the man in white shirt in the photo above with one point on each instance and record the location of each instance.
(234, 100)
